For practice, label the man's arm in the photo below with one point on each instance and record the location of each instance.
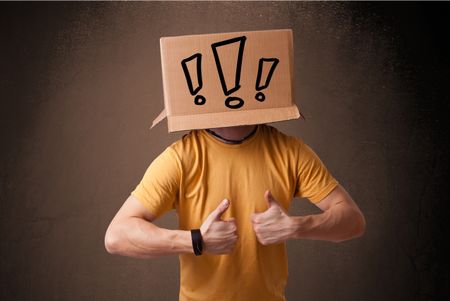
(340, 220)
(132, 233)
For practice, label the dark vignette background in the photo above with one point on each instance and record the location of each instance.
(80, 84)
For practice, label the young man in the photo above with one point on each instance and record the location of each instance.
(232, 188)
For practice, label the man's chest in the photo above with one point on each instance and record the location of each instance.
(242, 180)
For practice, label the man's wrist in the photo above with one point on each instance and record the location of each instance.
(180, 241)
(309, 226)
(298, 226)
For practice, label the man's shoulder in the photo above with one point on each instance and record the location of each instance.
(186, 144)
(279, 137)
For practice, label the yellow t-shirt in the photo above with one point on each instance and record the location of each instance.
(197, 172)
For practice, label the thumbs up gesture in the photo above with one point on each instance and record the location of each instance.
(273, 225)
(219, 236)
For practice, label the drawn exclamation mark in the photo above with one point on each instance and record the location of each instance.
(193, 66)
(265, 71)
(235, 48)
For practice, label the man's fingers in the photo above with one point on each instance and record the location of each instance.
(262, 216)
(217, 213)
(222, 206)
(258, 217)
(266, 216)
(273, 202)
(269, 198)
(232, 223)
(227, 248)
(224, 226)
(226, 245)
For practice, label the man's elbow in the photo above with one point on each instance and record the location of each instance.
(112, 241)
(357, 227)
(360, 225)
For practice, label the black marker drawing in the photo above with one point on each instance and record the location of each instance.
(261, 86)
(194, 70)
(231, 102)
(230, 74)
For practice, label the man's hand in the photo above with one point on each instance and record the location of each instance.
(219, 236)
(273, 225)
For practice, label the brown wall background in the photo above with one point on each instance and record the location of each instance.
(81, 82)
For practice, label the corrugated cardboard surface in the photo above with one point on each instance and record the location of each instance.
(179, 100)
(81, 80)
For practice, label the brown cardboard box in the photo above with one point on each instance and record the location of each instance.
(227, 79)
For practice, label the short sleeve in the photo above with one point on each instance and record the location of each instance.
(314, 181)
(158, 189)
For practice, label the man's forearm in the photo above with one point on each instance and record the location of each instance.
(336, 224)
(139, 238)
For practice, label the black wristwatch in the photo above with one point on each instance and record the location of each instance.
(197, 242)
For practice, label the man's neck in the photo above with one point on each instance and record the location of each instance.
(235, 133)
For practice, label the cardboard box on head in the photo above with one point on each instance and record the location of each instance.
(227, 79)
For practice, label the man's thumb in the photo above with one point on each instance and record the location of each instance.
(269, 198)
(223, 206)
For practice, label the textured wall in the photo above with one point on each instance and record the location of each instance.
(80, 84)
